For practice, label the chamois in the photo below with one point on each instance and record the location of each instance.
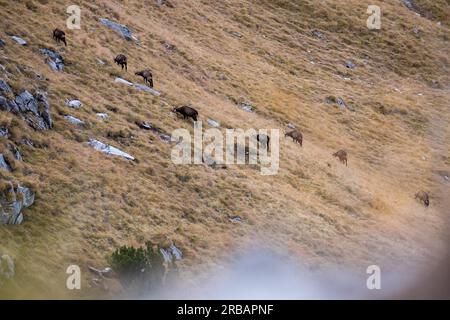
(296, 136)
(59, 35)
(342, 155)
(186, 112)
(122, 61)
(147, 75)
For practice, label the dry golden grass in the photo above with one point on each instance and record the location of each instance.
(88, 203)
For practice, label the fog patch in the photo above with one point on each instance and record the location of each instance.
(264, 274)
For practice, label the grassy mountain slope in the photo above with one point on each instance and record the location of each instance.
(395, 128)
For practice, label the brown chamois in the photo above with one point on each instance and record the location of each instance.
(147, 75)
(59, 36)
(122, 61)
(342, 155)
(186, 112)
(296, 136)
(422, 196)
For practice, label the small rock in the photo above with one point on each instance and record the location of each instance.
(106, 272)
(169, 47)
(15, 151)
(2, 43)
(165, 137)
(107, 149)
(103, 116)
(74, 120)
(213, 123)
(19, 40)
(53, 59)
(246, 106)
(341, 103)
(350, 65)
(144, 125)
(291, 126)
(317, 34)
(4, 164)
(101, 62)
(4, 132)
(76, 104)
(236, 219)
(236, 34)
(5, 87)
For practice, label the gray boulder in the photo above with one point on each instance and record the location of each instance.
(107, 149)
(74, 120)
(12, 201)
(119, 28)
(19, 40)
(76, 104)
(213, 123)
(53, 59)
(146, 89)
(102, 116)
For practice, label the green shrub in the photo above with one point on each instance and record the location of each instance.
(142, 266)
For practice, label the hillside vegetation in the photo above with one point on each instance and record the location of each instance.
(215, 55)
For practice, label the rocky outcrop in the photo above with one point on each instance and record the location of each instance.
(171, 253)
(53, 59)
(103, 147)
(119, 28)
(12, 201)
(7, 269)
(35, 109)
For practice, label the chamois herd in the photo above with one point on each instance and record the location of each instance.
(189, 112)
